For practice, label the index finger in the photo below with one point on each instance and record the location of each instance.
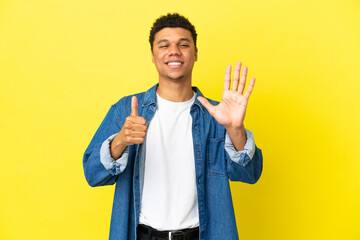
(250, 88)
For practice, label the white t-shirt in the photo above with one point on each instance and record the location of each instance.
(169, 196)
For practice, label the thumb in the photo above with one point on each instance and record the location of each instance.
(134, 107)
(207, 105)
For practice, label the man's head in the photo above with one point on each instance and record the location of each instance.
(173, 21)
(173, 48)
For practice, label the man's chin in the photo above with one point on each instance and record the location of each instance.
(175, 78)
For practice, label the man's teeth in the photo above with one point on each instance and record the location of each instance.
(174, 63)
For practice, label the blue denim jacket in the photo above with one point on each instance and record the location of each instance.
(213, 167)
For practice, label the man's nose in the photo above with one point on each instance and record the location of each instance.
(174, 50)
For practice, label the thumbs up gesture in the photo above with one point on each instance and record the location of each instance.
(132, 132)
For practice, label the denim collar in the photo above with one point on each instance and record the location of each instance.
(150, 97)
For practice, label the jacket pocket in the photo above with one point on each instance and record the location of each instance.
(215, 157)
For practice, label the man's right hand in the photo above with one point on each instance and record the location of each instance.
(132, 132)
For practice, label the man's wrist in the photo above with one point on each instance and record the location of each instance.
(237, 136)
(116, 147)
(239, 130)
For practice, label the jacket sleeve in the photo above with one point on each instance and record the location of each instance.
(99, 167)
(246, 165)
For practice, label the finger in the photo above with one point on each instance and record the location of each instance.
(138, 127)
(207, 105)
(135, 134)
(250, 88)
(136, 120)
(243, 79)
(133, 140)
(138, 134)
(236, 76)
(134, 107)
(227, 78)
(138, 140)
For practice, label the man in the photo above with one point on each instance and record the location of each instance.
(171, 151)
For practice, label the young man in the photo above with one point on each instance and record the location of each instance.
(171, 151)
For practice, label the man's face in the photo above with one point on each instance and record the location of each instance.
(174, 53)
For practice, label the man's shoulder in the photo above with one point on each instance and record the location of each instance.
(123, 105)
(125, 102)
(199, 93)
(127, 99)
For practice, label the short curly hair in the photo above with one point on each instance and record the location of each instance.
(172, 20)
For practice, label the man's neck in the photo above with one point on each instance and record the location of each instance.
(175, 91)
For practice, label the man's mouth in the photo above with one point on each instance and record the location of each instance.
(174, 64)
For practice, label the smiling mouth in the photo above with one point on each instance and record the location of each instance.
(174, 64)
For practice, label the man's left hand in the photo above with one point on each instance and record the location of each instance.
(230, 112)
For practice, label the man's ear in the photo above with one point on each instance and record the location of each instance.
(196, 54)
(152, 56)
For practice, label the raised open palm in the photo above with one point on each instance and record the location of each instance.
(230, 112)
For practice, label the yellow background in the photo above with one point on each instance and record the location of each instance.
(63, 63)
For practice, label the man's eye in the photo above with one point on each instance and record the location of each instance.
(163, 46)
(184, 45)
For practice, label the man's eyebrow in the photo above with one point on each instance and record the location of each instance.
(185, 39)
(181, 39)
(161, 41)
